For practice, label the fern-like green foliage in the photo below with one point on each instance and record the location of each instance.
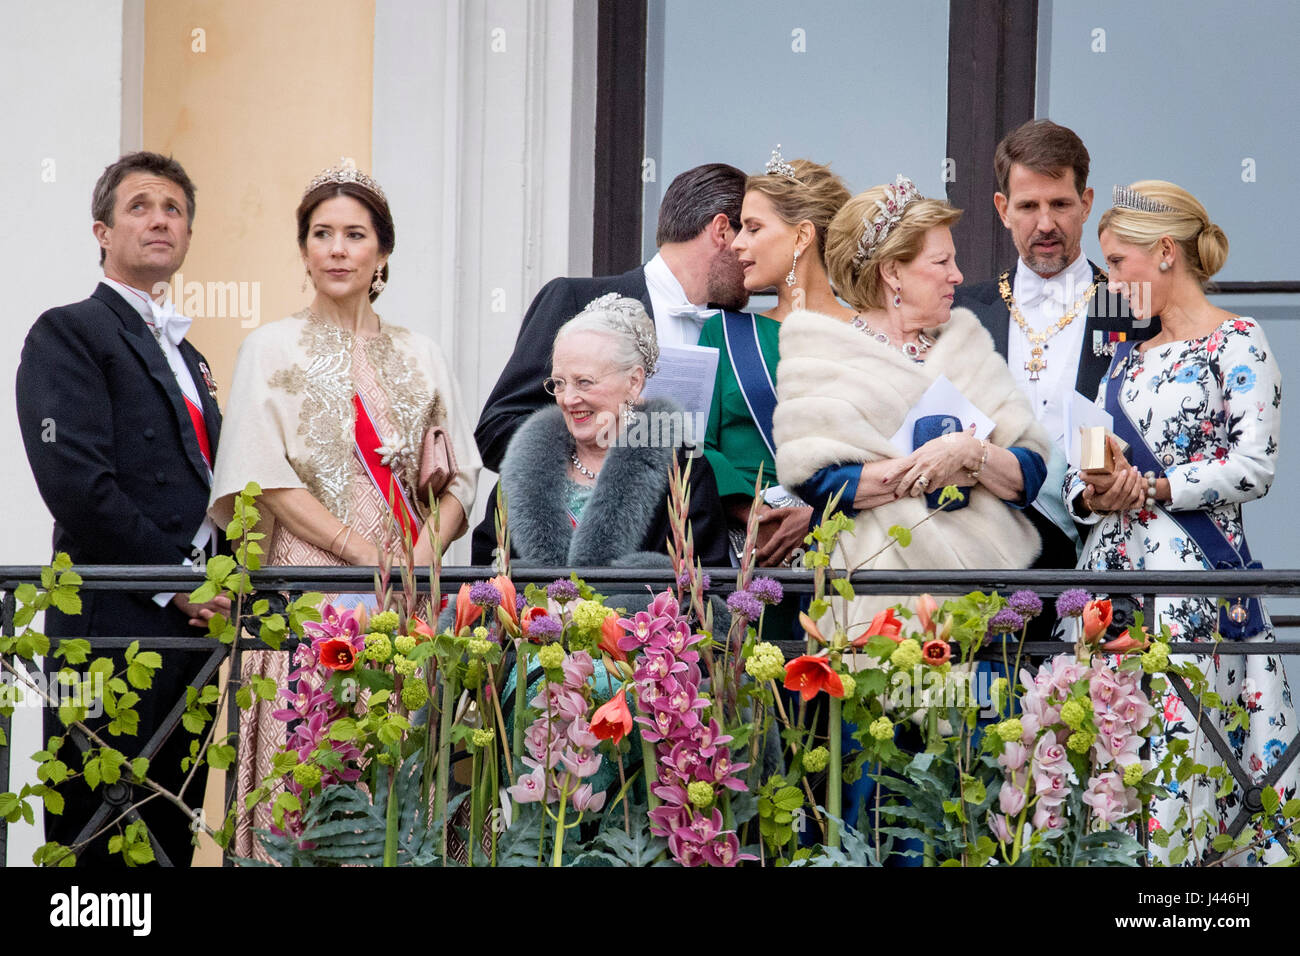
(856, 848)
(613, 846)
(343, 824)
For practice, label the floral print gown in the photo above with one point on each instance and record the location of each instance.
(1210, 410)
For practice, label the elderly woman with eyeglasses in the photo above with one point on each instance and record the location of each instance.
(586, 481)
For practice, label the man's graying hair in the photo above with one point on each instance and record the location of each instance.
(695, 197)
(105, 195)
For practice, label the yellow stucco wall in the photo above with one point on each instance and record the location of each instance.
(254, 97)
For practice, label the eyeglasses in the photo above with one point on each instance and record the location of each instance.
(557, 386)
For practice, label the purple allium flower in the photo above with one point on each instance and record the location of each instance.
(1026, 603)
(1072, 602)
(767, 590)
(520, 602)
(545, 628)
(684, 581)
(562, 591)
(743, 604)
(484, 594)
(1006, 621)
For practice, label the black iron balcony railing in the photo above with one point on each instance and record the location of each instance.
(293, 581)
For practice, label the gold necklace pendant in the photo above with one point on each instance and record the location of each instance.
(1037, 364)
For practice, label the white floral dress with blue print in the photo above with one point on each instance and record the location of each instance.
(1210, 409)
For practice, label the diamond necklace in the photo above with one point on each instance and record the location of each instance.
(913, 350)
(1036, 361)
(582, 469)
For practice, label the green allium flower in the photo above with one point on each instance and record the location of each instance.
(483, 737)
(479, 633)
(815, 760)
(1155, 660)
(479, 646)
(414, 694)
(882, 728)
(1073, 714)
(306, 775)
(551, 656)
(906, 655)
(1080, 742)
(404, 643)
(1001, 691)
(378, 647)
(765, 663)
(701, 794)
(589, 615)
(1009, 730)
(385, 623)
(850, 685)
(403, 665)
(1133, 775)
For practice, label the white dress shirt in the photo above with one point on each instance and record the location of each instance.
(174, 325)
(1043, 302)
(677, 321)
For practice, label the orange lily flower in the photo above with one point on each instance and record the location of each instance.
(610, 635)
(467, 612)
(612, 719)
(885, 624)
(811, 675)
(1097, 615)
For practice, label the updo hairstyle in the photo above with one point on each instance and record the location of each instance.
(625, 322)
(860, 283)
(1203, 244)
(815, 194)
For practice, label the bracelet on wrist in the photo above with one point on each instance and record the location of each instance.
(984, 457)
(1150, 476)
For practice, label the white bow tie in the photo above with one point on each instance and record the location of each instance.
(693, 313)
(1034, 289)
(167, 321)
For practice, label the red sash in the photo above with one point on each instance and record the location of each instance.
(200, 428)
(367, 443)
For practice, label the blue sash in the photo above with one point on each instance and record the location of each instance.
(740, 332)
(1197, 525)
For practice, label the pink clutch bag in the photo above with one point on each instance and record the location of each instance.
(437, 464)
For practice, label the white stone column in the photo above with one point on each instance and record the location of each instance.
(484, 139)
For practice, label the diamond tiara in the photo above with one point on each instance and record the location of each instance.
(1126, 198)
(346, 172)
(876, 228)
(777, 166)
(626, 314)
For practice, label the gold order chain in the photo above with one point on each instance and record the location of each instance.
(1036, 361)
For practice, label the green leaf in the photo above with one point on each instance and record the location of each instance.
(221, 756)
(843, 588)
(1291, 808)
(91, 772)
(343, 729)
(219, 568)
(139, 676)
(140, 768)
(972, 789)
(8, 805)
(69, 602)
(1268, 796)
(141, 853)
(25, 593)
(1178, 854)
(74, 650)
(150, 659)
(900, 534)
(204, 593)
(53, 800)
(110, 764)
(243, 698)
(949, 494)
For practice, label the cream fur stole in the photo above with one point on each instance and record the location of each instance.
(841, 395)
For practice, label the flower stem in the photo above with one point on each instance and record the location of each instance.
(651, 772)
(521, 697)
(444, 750)
(475, 808)
(391, 818)
(834, 768)
(557, 857)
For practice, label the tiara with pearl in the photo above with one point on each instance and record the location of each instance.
(629, 316)
(345, 172)
(876, 228)
(1126, 198)
(777, 166)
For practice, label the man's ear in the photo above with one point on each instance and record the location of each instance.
(1086, 198)
(1000, 204)
(718, 228)
(101, 232)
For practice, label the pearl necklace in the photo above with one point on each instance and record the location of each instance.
(582, 469)
(913, 350)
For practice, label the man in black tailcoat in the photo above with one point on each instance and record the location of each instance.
(119, 417)
(694, 271)
(1050, 315)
